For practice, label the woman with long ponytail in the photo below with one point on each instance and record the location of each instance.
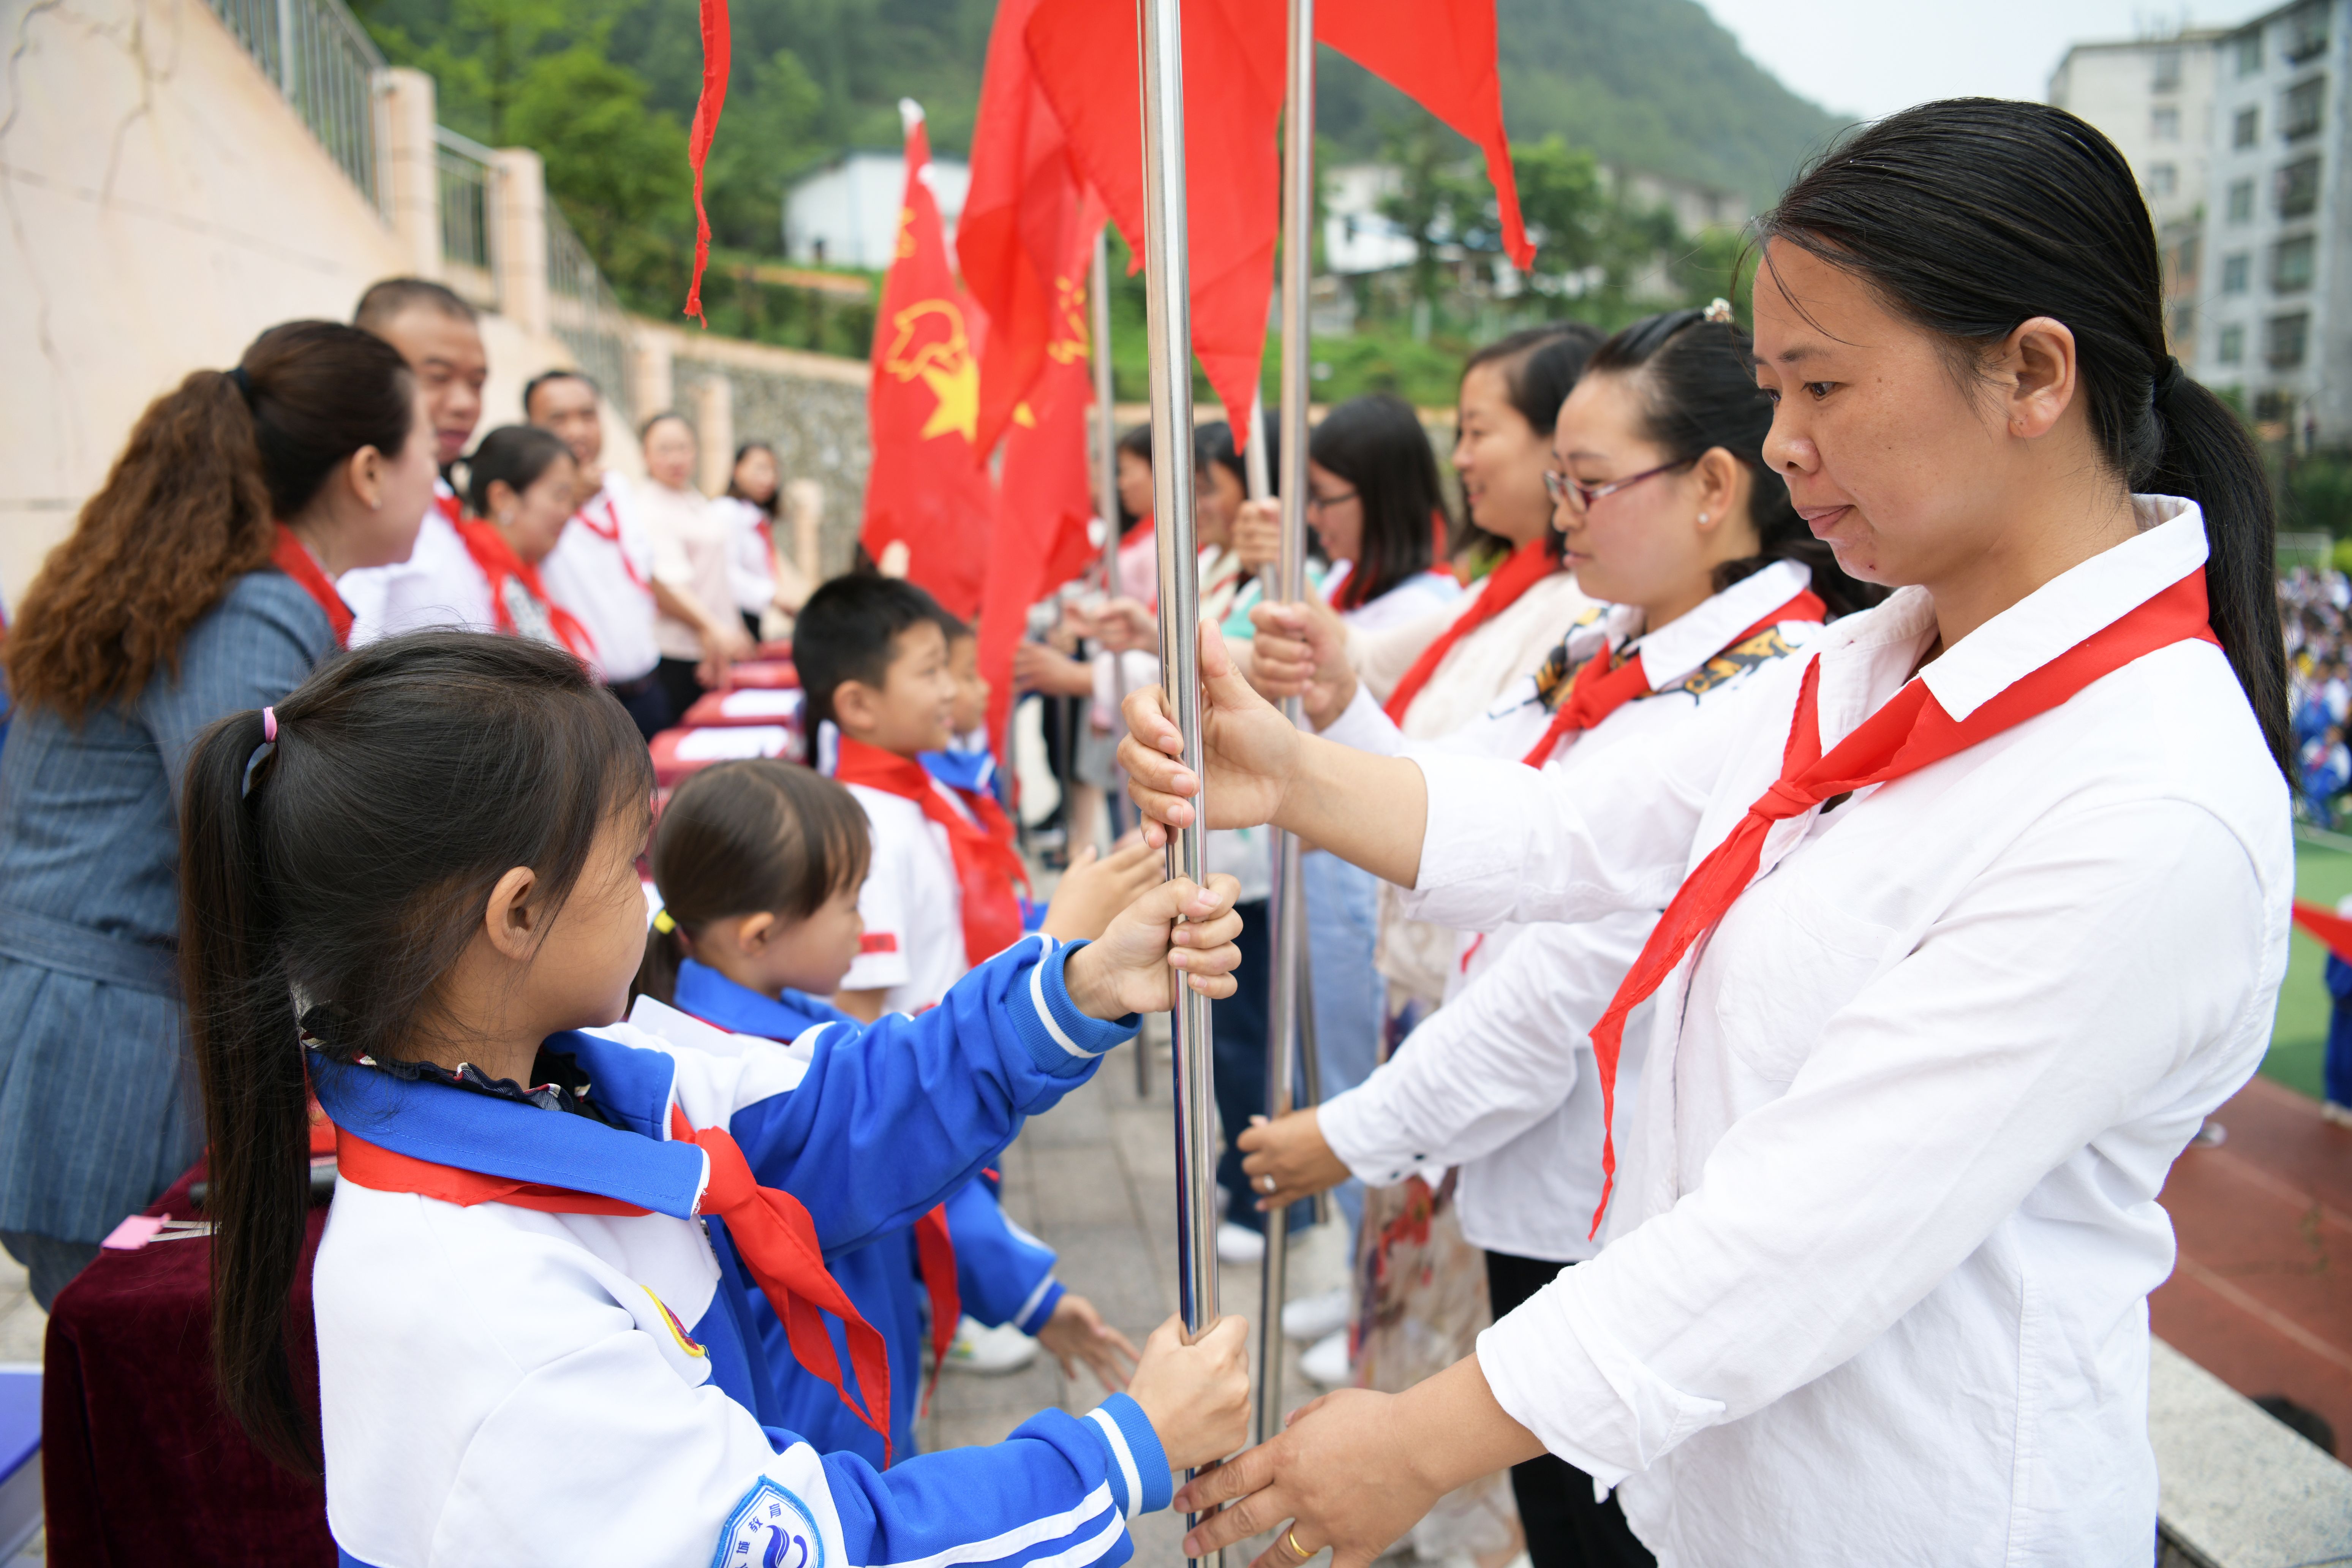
(198, 581)
(1971, 913)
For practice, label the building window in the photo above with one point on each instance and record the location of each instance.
(2249, 45)
(2291, 263)
(2236, 272)
(2185, 258)
(2184, 324)
(2246, 128)
(2167, 69)
(2307, 32)
(2241, 201)
(2299, 114)
(2298, 187)
(2233, 350)
(2274, 406)
(2284, 338)
(2164, 124)
(2163, 179)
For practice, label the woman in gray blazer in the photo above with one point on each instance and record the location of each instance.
(198, 581)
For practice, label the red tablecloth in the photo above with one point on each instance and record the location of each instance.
(745, 705)
(678, 754)
(140, 1463)
(766, 674)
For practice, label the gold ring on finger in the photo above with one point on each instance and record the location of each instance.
(1290, 1539)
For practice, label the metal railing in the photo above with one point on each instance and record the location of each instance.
(468, 180)
(325, 64)
(586, 314)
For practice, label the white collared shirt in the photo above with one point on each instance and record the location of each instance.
(911, 903)
(1484, 1084)
(1875, 1283)
(605, 581)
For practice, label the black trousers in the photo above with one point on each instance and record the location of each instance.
(1239, 1023)
(1566, 1529)
(647, 703)
(680, 686)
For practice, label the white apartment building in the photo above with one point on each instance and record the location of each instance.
(846, 213)
(2153, 98)
(2277, 328)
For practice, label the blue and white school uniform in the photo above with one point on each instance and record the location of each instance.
(505, 1386)
(1003, 1275)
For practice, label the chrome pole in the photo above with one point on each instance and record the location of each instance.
(1169, 316)
(1289, 901)
(1106, 505)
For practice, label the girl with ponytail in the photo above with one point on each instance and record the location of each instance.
(1973, 910)
(413, 882)
(199, 580)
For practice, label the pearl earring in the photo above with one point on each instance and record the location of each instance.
(1701, 520)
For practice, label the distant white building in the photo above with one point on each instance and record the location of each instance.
(2153, 98)
(1355, 238)
(2279, 325)
(847, 214)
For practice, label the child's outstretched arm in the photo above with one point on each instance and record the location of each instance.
(1004, 1275)
(885, 1121)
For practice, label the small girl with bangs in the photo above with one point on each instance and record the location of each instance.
(411, 884)
(758, 864)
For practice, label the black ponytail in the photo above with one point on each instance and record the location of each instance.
(343, 868)
(1695, 384)
(256, 1122)
(1973, 215)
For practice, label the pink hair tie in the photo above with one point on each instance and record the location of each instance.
(269, 725)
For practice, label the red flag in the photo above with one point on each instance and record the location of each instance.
(2332, 929)
(1087, 57)
(1046, 498)
(717, 55)
(929, 504)
(1086, 53)
(1017, 220)
(1440, 54)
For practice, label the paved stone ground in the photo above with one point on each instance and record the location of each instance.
(1095, 1179)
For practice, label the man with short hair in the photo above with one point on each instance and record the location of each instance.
(602, 567)
(440, 337)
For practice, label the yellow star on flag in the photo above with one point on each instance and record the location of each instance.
(958, 389)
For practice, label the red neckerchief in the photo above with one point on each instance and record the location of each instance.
(986, 863)
(1529, 565)
(499, 563)
(770, 1229)
(1910, 732)
(446, 502)
(935, 1254)
(288, 556)
(1599, 690)
(610, 532)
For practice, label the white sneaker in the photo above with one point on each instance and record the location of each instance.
(2339, 1114)
(1310, 1318)
(989, 1351)
(1326, 1361)
(1239, 1244)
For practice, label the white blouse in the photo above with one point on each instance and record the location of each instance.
(1875, 1286)
(1500, 1080)
(693, 541)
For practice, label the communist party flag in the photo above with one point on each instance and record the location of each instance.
(928, 503)
(1046, 498)
(1019, 216)
(1085, 55)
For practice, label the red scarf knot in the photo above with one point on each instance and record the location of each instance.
(988, 867)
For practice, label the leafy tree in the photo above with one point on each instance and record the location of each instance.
(618, 168)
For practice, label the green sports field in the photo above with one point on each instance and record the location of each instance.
(2322, 874)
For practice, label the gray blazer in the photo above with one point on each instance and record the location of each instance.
(97, 1107)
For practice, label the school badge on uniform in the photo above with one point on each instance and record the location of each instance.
(770, 1527)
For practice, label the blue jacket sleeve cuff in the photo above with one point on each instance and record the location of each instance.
(1042, 1302)
(1139, 1476)
(1062, 1040)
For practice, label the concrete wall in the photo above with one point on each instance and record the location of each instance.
(163, 206)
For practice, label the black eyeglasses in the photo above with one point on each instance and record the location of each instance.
(1561, 487)
(1316, 503)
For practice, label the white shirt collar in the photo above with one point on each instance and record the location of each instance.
(2081, 600)
(1673, 650)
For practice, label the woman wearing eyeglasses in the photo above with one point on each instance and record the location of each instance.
(1668, 512)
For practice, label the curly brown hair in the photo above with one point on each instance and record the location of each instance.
(192, 504)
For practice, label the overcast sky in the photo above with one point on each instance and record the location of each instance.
(1873, 56)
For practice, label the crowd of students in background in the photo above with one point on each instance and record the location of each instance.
(2315, 610)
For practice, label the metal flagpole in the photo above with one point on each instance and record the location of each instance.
(1288, 969)
(1114, 585)
(1169, 315)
